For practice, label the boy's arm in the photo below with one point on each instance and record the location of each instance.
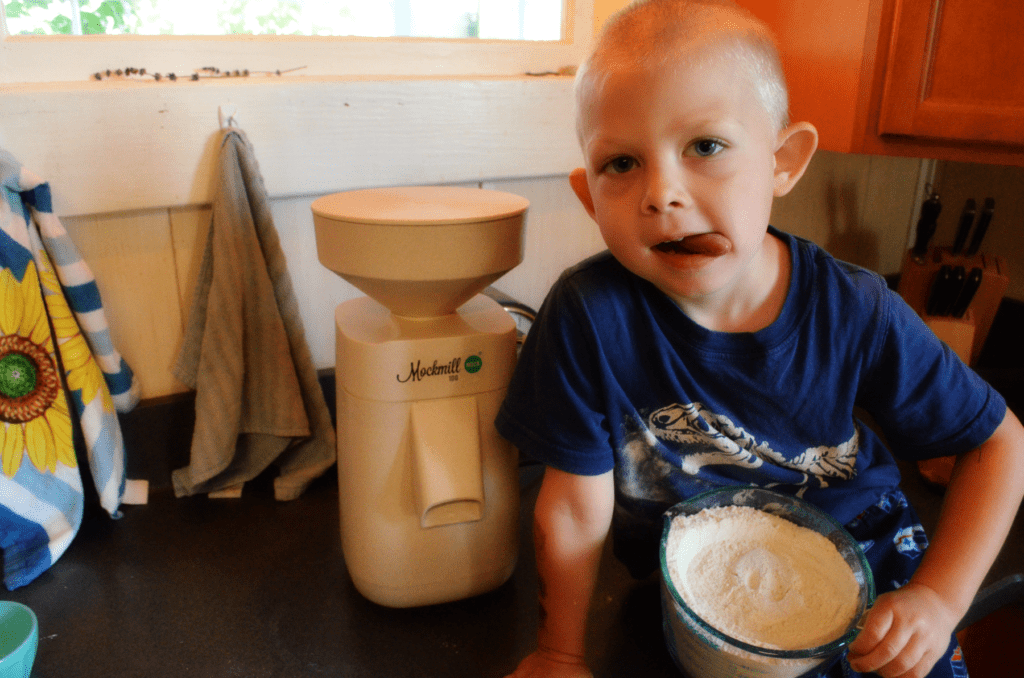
(907, 630)
(571, 522)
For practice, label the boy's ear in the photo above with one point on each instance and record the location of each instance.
(795, 148)
(578, 181)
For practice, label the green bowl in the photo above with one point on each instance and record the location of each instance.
(19, 636)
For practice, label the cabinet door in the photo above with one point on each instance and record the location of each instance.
(956, 71)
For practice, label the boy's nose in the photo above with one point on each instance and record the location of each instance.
(666, 191)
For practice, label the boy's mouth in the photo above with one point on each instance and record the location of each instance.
(708, 244)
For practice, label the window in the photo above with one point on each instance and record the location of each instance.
(498, 51)
(487, 19)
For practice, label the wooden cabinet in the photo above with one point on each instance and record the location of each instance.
(956, 71)
(925, 78)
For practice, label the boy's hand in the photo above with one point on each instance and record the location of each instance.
(905, 633)
(542, 664)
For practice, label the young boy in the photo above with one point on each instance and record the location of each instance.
(706, 348)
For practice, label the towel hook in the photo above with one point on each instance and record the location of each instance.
(226, 115)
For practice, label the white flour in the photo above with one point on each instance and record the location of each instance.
(760, 578)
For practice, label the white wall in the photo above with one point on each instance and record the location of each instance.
(145, 261)
(131, 165)
(145, 264)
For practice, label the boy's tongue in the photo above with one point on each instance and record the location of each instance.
(710, 244)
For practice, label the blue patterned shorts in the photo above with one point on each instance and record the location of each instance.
(893, 541)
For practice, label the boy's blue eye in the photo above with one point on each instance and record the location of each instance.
(707, 147)
(621, 164)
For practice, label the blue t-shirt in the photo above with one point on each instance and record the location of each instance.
(613, 375)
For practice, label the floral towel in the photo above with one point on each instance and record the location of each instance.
(58, 369)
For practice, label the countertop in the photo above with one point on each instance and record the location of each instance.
(258, 588)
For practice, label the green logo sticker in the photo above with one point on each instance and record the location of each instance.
(473, 364)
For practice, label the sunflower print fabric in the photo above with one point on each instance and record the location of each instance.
(33, 408)
(58, 371)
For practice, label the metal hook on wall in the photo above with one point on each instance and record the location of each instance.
(226, 115)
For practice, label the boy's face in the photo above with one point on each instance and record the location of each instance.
(680, 175)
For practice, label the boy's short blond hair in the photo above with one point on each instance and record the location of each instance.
(648, 33)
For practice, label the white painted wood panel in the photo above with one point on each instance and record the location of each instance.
(146, 261)
(132, 259)
(559, 233)
(190, 227)
(113, 147)
(317, 290)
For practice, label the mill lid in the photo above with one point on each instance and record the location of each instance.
(426, 205)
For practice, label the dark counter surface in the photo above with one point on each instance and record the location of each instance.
(253, 587)
(257, 588)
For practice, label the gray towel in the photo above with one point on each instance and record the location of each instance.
(258, 400)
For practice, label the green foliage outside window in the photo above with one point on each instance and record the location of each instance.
(491, 19)
(56, 17)
(120, 17)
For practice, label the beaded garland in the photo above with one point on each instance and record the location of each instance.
(205, 72)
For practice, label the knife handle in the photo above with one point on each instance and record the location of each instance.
(983, 222)
(963, 300)
(956, 284)
(930, 210)
(936, 298)
(966, 220)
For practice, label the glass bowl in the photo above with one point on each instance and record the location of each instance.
(701, 650)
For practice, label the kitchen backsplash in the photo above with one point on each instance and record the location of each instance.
(858, 207)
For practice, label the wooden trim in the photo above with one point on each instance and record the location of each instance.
(906, 68)
(868, 140)
(968, 122)
(909, 108)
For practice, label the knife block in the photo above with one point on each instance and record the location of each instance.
(960, 334)
(965, 336)
(916, 283)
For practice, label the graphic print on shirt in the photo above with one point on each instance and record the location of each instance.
(911, 541)
(704, 438)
